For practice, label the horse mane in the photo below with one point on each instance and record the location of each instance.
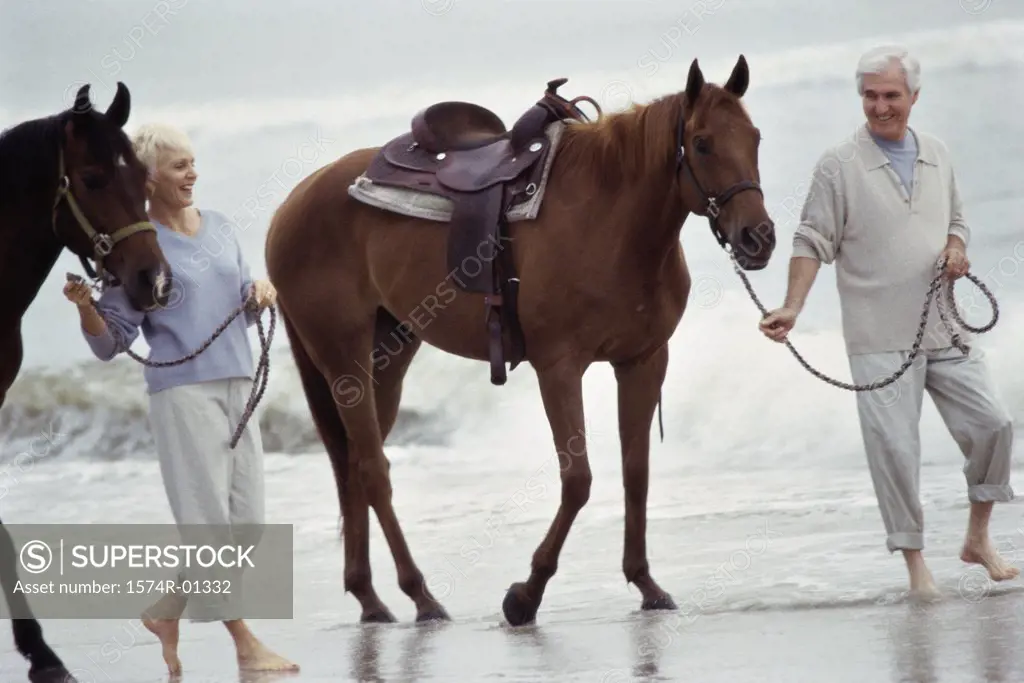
(28, 156)
(642, 139)
(29, 152)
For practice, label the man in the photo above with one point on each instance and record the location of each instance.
(884, 207)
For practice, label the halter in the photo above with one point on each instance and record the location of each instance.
(712, 203)
(103, 243)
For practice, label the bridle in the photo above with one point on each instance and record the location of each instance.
(103, 243)
(712, 203)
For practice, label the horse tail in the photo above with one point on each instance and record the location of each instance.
(324, 409)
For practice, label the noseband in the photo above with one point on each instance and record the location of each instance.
(712, 203)
(103, 243)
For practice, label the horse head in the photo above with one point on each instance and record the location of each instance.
(717, 146)
(100, 210)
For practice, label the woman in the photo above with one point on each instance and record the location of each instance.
(194, 407)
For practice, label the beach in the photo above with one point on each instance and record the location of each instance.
(956, 642)
(779, 587)
(762, 520)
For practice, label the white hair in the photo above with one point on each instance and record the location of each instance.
(880, 59)
(153, 138)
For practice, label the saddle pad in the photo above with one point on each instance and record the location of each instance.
(433, 207)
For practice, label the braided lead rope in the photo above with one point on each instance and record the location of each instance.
(262, 367)
(916, 349)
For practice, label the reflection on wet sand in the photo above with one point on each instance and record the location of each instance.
(988, 626)
(912, 634)
(648, 645)
(416, 649)
(254, 677)
(547, 645)
(998, 639)
(366, 651)
(366, 654)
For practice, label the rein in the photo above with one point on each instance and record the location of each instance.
(262, 367)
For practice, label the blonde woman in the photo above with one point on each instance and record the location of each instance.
(194, 407)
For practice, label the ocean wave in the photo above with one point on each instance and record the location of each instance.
(656, 71)
(728, 391)
(99, 411)
(969, 46)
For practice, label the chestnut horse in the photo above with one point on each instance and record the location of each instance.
(603, 279)
(67, 180)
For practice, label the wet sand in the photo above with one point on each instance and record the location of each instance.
(777, 578)
(954, 641)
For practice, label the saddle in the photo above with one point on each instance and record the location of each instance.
(464, 152)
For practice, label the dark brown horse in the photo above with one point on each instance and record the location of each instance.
(67, 180)
(601, 277)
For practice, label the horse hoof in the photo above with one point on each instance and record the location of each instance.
(664, 602)
(381, 616)
(436, 614)
(52, 674)
(518, 607)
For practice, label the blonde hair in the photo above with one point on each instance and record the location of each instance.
(153, 138)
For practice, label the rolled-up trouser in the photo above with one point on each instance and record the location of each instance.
(209, 484)
(966, 398)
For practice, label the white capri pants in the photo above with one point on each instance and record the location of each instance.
(207, 482)
(966, 398)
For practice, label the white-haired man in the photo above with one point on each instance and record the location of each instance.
(884, 207)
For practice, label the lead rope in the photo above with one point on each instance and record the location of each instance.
(262, 367)
(916, 349)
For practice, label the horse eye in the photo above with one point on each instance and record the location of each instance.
(94, 181)
(702, 145)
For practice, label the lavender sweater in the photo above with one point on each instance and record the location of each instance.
(211, 279)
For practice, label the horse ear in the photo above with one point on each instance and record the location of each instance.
(118, 110)
(694, 83)
(83, 105)
(740, 78)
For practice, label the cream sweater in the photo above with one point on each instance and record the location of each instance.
(885, 243)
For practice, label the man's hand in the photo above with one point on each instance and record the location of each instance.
(957, 264)
(777, 324)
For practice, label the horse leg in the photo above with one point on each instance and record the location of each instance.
(370, 466)
(639, 390)
(354, 508)
(396, 347)
(337, 352)
(44, 664)
(561, 389)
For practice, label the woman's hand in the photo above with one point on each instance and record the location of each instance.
(78, 292)
(264, 293)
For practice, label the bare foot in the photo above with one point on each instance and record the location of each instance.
(925, 594)
(983, 553)
(167, 631)
(923, 588)
(254, 656)
(922, 585)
